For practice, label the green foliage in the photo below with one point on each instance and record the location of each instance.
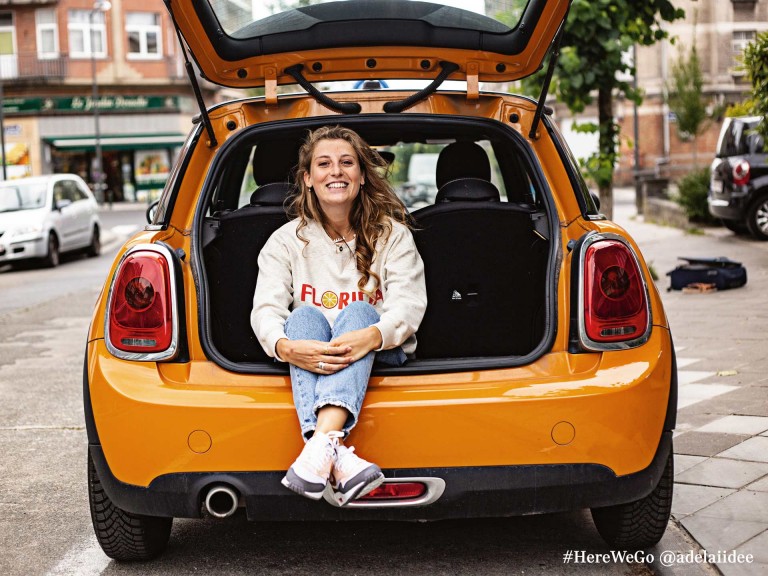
(756, 65)
(597, 36)
(686, 95)
(740, 109)
(693, 196)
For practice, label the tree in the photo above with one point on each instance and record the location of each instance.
(597, 37)
(686, 99)
(756, 65)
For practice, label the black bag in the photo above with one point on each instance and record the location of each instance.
(723, 272)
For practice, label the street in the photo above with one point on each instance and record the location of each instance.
(45, 527)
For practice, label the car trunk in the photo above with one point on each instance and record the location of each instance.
(489, 265)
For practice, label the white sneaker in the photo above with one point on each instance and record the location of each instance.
(353, 477)
(308, 475)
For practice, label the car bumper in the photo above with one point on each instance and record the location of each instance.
(728, 206)
(32, 248)
(563, 421)
(470, 492)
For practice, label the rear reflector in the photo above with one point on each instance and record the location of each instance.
(396, 491)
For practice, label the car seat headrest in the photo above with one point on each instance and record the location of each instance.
(468, 189)
(275, 160)
(462, 160)
(273, 194)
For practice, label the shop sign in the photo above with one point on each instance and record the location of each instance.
(85, 104)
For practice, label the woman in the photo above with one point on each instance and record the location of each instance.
(340, 285)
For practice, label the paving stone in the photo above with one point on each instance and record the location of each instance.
(723, 473)
(738, 425)
(688, 498)
(759, 486)
(689, 393)
(758, 547)
(745, 505)
(684, 461)
(754, 449)
(706, 443)
(753, 569)
(747, 401)
(716, 534)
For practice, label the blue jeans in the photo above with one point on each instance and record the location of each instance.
(345, 388)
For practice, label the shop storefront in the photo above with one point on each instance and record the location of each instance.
(62, 138)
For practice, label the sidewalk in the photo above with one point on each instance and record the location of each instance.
(721, 440)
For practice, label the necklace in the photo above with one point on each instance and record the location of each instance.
(343, 238)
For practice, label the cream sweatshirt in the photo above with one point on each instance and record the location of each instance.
(294, 274)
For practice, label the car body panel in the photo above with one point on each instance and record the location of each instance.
(156, 411)
(342, 40)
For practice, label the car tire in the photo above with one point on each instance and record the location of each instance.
(94, 248)
(735, 226)
(757, 217)
(640, 524)
(123, 535)
(52, 257)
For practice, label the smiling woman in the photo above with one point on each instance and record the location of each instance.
(331, 347)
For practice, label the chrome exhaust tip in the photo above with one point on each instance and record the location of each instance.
(221, 501)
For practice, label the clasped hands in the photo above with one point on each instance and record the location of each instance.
(329, 357)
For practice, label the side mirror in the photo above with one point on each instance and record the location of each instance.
(63, 203)
(152, 211)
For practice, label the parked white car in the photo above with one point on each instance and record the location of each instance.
(41, 217)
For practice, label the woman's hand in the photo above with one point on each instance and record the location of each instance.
(359, 342)
(315, 355)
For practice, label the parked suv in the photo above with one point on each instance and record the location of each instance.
(544, 378)
(738, 192)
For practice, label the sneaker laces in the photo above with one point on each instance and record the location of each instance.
(318, 457)
(346, 458)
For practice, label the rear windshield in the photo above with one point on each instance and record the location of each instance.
(739, 139)
(262, 17)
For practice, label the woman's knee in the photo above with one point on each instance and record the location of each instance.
(356, 315)
(307, 322)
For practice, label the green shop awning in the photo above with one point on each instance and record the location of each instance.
(87, 143)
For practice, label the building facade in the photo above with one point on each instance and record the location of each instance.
(78, 76)
(650, 140)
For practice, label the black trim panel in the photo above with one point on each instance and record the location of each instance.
(470, 492)
(361, 24)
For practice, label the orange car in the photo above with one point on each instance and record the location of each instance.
(545, 377)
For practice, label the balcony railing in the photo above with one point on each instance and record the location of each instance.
(31, 67)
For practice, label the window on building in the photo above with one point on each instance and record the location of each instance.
(47, 33)
(144, 38)
(739, 41)
(8, 64)
(87, 34)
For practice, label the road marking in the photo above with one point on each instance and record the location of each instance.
(688, 391)
(85, 559)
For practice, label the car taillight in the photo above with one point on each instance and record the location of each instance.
(615, 304)
(741, 173)
(141, 323)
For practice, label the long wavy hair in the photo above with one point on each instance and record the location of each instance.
(373, 211)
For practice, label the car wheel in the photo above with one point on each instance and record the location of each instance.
(735, 226)
(122, 535)
(757, 218)
(94, 248)
(639, 524)
(51, 259)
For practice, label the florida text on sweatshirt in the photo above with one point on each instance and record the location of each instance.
(323, 274)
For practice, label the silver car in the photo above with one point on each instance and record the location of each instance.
(43, 216)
